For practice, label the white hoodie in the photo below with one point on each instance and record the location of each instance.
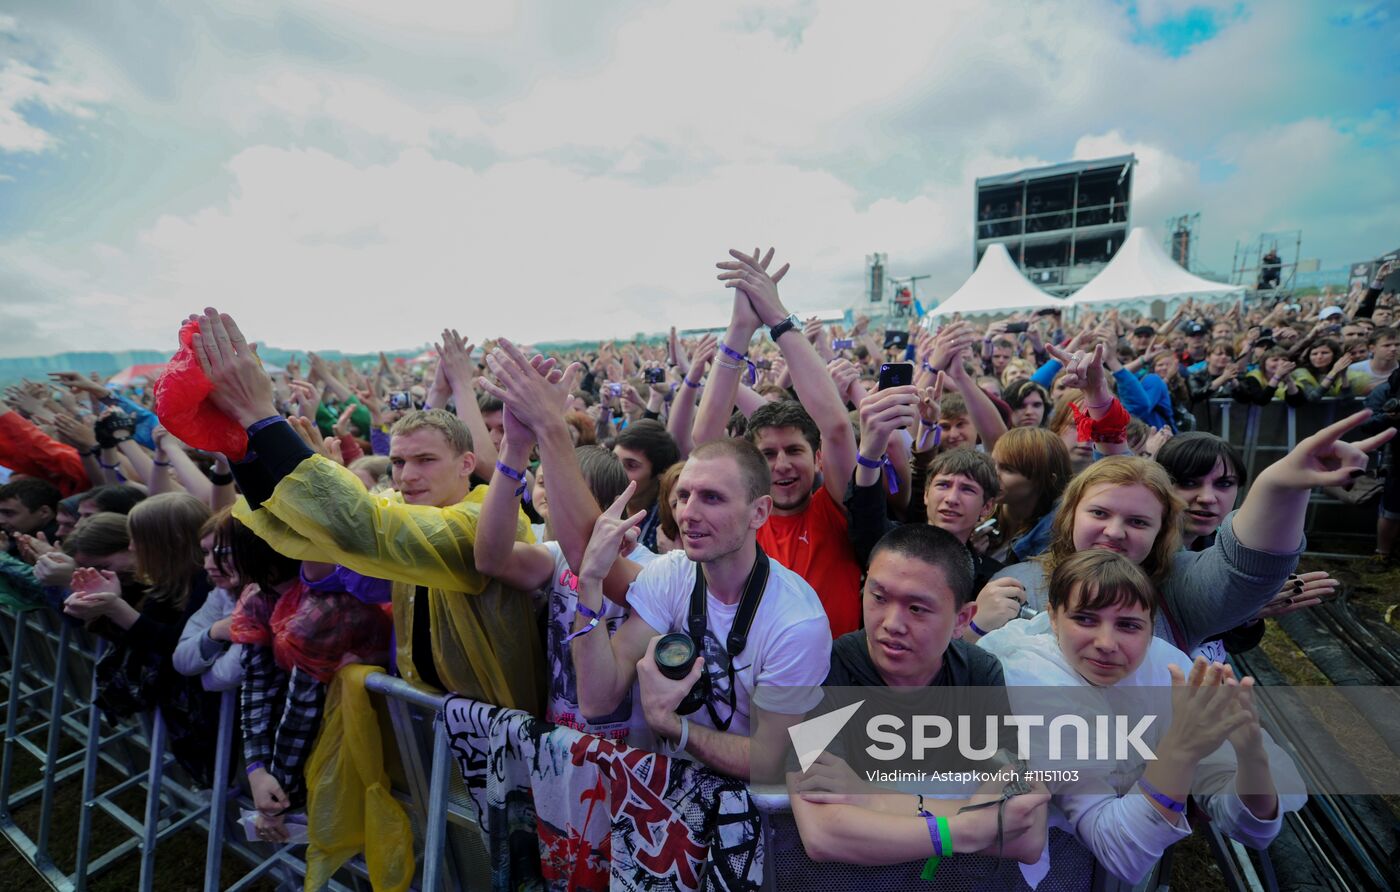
(1127, 834)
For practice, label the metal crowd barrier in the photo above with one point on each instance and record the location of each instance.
(427, 782)
(50, 718)
(1264, 434)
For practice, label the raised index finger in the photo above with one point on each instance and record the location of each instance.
(620, 503)
(1334, 432)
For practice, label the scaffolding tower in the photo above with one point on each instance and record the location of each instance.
(1252, 262)
(1182, 238)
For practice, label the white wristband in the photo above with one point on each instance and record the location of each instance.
(685, 737)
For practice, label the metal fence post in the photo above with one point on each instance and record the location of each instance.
(436, 834)
(89, 805)
(55, 733)
(218, 802)
(12, 710)
(150, 837)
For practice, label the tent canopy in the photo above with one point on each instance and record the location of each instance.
(134, 373)
(996, 286)
(1141, 270)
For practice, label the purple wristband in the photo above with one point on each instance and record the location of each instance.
(594, 617)
(975, 630)
(752, 375)
(518, 477)
(254, 766)
(1162, 798)
(882, 463)
(261, 423)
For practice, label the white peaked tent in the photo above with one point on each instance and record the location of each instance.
(1142, 271)
(995, 287)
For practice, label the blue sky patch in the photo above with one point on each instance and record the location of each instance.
(1176, 35)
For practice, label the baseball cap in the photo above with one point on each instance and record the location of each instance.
(1329, 312)
(1143, 331)
(1193, 329)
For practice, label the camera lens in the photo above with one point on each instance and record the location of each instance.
(675, 654)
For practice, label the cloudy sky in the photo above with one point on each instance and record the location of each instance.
(359, 173)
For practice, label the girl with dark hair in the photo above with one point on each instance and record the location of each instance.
(1208, 475)
(1324, 373)
(1029, 403)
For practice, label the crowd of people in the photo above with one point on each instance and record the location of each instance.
(677, 546)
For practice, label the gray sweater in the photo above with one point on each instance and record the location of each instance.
(1207, 592)
(198, 654)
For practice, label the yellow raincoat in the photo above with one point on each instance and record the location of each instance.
(486, 643)
(349, 806)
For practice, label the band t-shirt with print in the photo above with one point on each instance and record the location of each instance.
(561, 706)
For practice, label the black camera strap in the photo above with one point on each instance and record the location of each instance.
(698, 622)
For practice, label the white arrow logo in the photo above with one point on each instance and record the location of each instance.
(810, 738)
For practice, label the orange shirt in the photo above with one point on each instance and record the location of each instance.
(815, 546)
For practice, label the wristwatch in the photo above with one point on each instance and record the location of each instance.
(783, 327)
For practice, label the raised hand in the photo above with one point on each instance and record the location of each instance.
(76, 383)
(456, 362)
(1204, 710)
(948, 347)
(90, 581)
(749, 275)
(1084, 371)
(309, 433)
(1154, 441)
(931, 400)
(76, 433)
(342, 426)
(533, 389)
(884, 412)
(241, 390)
(704, 354)
(845, 376)
(1324, 459)
(613, 536)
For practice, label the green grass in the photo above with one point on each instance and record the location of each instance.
(179, 858)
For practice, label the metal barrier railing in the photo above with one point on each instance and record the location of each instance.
(1263, 434)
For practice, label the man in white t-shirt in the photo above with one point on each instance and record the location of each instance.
(1385, 356)
(722, 500)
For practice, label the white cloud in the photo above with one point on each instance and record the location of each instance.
(23, 86)
(526, 249)
(359, 175)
